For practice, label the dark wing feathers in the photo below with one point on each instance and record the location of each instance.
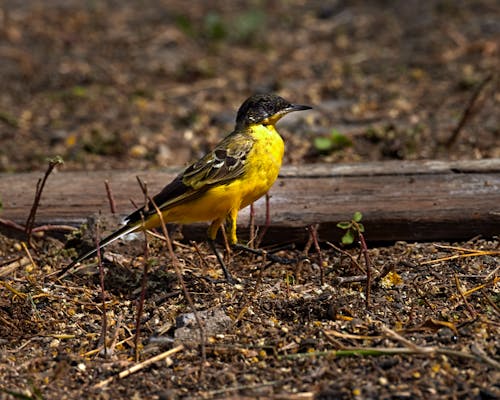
(221, 166)
(225, 163)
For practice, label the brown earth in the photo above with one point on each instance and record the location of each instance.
(112, 85)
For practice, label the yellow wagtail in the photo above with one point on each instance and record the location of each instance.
(240, 170)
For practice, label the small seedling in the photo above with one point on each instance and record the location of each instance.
(353, 228)
(335, 141)
(214, 26)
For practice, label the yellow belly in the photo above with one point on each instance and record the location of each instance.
(261, 170)
(263, 164)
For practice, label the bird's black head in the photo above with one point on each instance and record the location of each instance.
(265, 109)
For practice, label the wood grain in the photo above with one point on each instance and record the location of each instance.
(412, 201)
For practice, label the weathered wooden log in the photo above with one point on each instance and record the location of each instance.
(412, 201)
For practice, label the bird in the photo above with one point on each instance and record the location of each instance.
(238, 171)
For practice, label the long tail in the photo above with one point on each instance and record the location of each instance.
(124, 230)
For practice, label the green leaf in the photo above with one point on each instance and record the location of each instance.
(357, 216)
(322, 144)
(348, 238)
(79, 91)
(335, 141)
(361, 228)
(344, 225)
(184, 24)
(339, 140)
(248, 24)
(289, 279)
(57, 160)
(9, 119)
(214, 26)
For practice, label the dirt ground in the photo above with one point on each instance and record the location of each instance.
(136, 85)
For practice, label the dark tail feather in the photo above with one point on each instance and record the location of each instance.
(109, 239)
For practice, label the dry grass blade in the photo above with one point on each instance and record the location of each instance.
(479, 352)
(493, 282)
(458, 248)
(491, 303)
(14, 291)
(381, 351)
(344, 335)
(394, 335)
(118, 343)
(248, 387)
(139, 366)
(471, 253)
(13, 264)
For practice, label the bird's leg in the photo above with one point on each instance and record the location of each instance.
(231, 226)
(231, 230)
(212, 233)
(227, 274)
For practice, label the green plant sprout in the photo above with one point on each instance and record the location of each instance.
(334, 141)
(353, 228)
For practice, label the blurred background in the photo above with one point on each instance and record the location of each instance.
(149, 84)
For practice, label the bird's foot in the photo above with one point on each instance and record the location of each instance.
(227, 274)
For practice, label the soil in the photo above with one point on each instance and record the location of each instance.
(135, 85)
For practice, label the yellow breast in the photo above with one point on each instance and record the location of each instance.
(262, 166)
(263, 163)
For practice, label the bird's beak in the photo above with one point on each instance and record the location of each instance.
(292, 107)
(296, 107)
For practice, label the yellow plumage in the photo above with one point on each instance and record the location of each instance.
(240, 170)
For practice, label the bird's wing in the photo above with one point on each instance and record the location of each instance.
(221, 166)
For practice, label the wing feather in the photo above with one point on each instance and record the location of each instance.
(221, 166)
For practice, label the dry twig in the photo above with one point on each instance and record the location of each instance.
(178, 272)
(468, 111)
(313, 232)
(30, 221)
(104, 328)
(111, 199)
(267, 223)
(350, 256)
(26, 250)
(142, 298)
(368, 263)
(42, 228)
(251, 226)
(464, 299)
